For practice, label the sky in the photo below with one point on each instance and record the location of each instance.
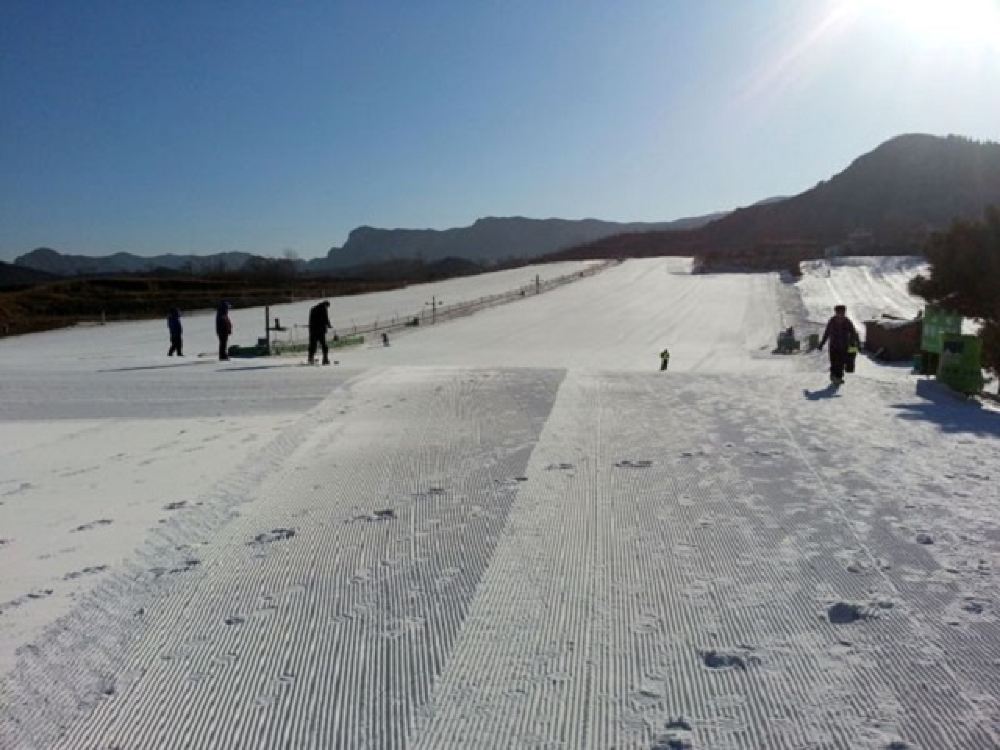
(201, 126)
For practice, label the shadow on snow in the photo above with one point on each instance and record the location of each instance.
(950, 411)
(831, 391)
(158, 367)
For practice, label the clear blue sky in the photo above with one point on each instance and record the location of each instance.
(209, 125)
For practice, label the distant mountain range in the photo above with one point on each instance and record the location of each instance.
(51, 261)
(888, 199)
(487, 241)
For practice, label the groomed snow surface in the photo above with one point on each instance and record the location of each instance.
(868, 286)
(506, 530)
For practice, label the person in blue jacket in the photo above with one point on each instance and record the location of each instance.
(176, 332)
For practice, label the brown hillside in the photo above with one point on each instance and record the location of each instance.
(888, 199)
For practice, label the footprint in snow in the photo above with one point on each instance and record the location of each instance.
(17, 490)
(843, 613)
(628, 463)
(740, 660)
(677, 736)
(971, 606)
(188, 565)
(93, 525)
(386, 514)
(275, 535)
(24, 599)
(85, 572)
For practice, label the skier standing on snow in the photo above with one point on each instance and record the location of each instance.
(319, 324)
(223, 329)
(843, 336)
(176, 332)
(664, 359)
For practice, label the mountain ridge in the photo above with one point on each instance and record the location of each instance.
(893, 196)
(67, 264)
(489, 239)
(503, 238)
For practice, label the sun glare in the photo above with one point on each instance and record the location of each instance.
(947, 22)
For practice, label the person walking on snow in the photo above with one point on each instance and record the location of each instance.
(223, 329)
(319, 324)
(176, 332)
(664, 359)
(843, 337)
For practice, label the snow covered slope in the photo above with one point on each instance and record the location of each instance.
(507, 530)
(136, 343)
(869, 286)
(620, 319)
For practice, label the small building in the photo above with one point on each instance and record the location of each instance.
(892, 339)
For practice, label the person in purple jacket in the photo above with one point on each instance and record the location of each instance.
(176, 332)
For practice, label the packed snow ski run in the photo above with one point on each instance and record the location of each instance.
(505, 529)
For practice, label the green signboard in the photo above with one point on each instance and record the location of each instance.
(960, 366)
(938, 322)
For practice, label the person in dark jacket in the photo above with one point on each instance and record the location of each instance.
(176, 333)
(843, 337)
(319, 324)
(223, 329)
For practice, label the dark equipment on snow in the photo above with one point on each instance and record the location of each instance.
(787, 343)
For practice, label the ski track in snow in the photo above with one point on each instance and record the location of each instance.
(446, 546)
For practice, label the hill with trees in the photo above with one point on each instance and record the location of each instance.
(888, 200)
(16, 276)
(63, 264)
